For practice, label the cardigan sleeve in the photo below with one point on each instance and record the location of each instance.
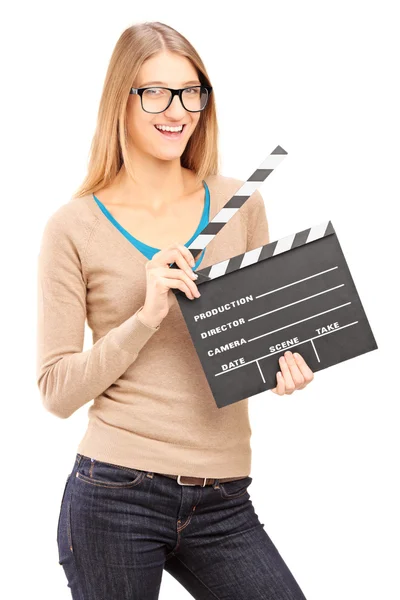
(66, 376)
(257, 223)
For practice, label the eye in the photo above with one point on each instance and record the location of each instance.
(153, 92)
(191, 91)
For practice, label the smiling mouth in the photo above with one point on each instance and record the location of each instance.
(171, 134)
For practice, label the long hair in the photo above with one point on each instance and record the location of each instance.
(108, 151)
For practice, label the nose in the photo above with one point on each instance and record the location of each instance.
(176, 108)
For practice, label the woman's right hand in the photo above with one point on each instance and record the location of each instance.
(160, 278)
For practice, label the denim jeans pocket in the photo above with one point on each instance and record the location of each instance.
(234, 489)
(101, 474)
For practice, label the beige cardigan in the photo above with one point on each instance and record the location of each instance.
(153, 408)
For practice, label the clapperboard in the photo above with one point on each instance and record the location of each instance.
(295, 293)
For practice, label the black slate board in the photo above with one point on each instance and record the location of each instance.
(296, 291)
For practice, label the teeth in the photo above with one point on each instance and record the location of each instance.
(166, 128)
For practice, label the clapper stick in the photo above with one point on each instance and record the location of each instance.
(294, 240)
(236, 202)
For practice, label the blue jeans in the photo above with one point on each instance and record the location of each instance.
(119, 528)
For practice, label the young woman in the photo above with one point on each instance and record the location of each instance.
(161, 476)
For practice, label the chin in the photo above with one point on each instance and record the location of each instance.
(167, 156)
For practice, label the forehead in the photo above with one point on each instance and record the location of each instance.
(169, 69)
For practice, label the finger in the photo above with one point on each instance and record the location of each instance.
(157, 266)
(187, 255)
(295, 372)
(280, 385)
(304, 368)
(170, 282)
(178, 254)
(289, 383)
(178, 273)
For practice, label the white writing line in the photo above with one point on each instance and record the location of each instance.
(276, 351)
(295, 282)
(262, 375)
(297, 302)
(315, 350)
(297, 322)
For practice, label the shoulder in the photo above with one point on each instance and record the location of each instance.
(222, 184)
(74, 213)
(71, 222)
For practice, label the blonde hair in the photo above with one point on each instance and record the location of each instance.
(108, 151)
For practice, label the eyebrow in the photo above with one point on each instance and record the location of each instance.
(163, 83)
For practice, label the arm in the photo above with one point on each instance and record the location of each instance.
(257, 223)
(67, 377)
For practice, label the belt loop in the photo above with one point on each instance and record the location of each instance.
(78, 459)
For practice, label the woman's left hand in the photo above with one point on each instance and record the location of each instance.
(295, 374)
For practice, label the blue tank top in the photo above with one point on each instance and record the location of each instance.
(149, 251)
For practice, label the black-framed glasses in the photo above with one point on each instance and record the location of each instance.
(157, 99)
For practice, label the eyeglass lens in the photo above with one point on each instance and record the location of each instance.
(156, 99)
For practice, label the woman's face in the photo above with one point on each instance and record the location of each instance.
(169, 70)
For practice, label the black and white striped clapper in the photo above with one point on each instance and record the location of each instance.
(236, 202)
(295, 293)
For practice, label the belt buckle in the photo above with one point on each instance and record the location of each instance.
(181, 482)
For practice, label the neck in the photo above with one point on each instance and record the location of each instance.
(157, 181)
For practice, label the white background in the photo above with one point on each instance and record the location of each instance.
(321, 80)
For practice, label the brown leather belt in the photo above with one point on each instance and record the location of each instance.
(203, 481)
